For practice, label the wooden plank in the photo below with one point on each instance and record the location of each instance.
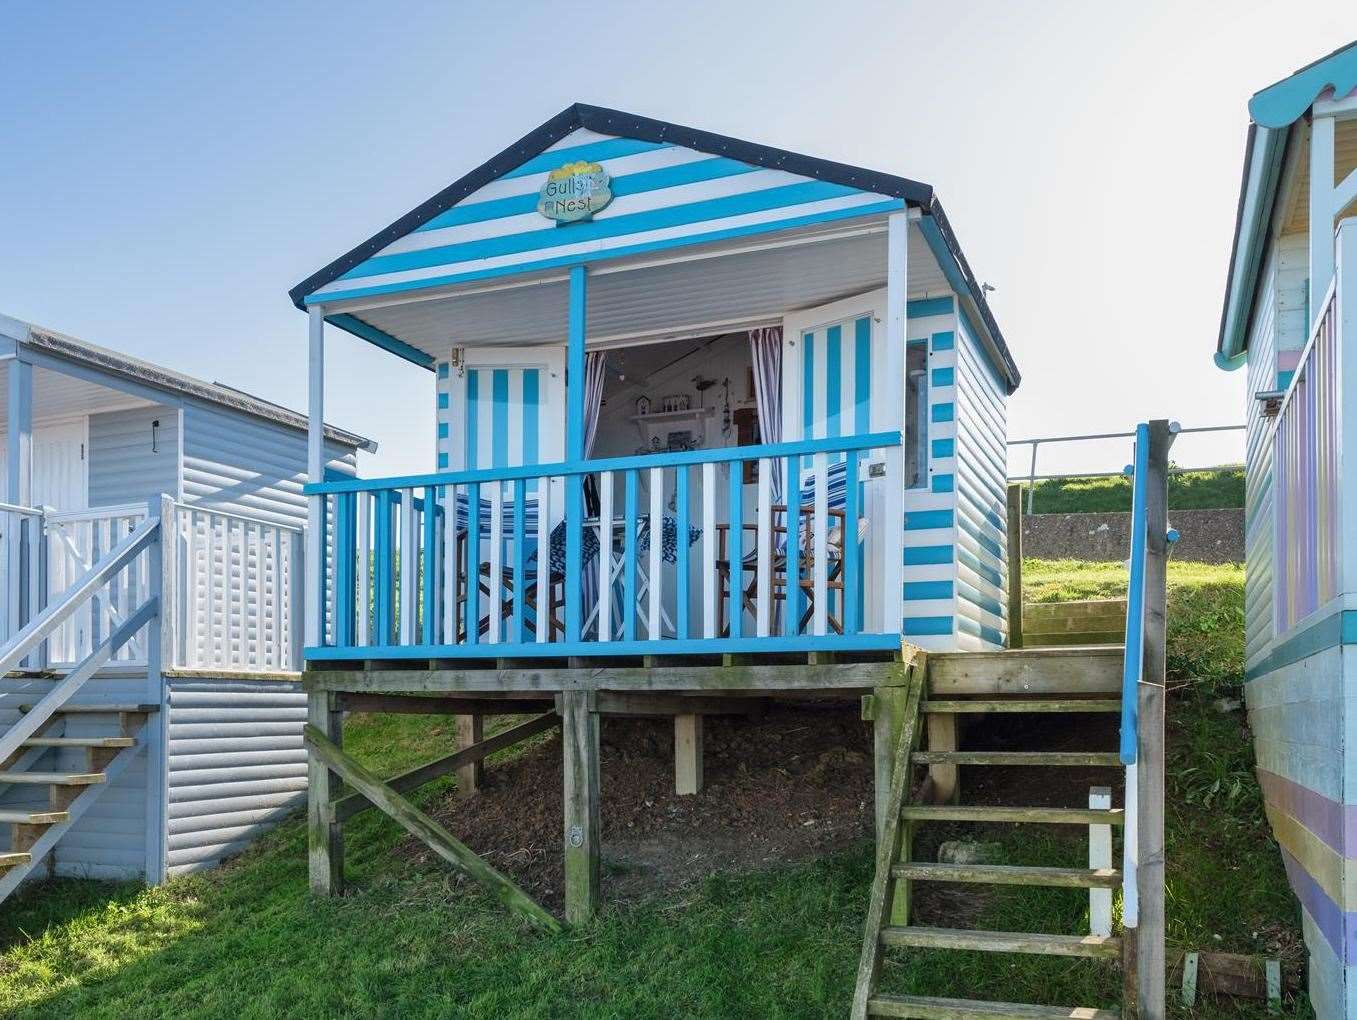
(982, 706)
(1009, 874)
(1014, 557)
(687, 754)
(1089, 758)
(583, 835)
(1100, 856)
(851, 676)
(667, 705)
(1151, 976)
(889, 837)
(325, 839)
(355, 803)
(1037, 815)
(927, 1007)
(415, 705)
(470, 732)
(25, 817)
(1042, 612)
(1082, 638)
(52, 778)
(942, 736)
(1092, 946)
(427, 830)
(1026, 671)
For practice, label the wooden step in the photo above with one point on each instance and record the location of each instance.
(986, 813)
(1096, 946)
(1009, 874)
(53, 778)
(97, 709)
(1088, 758)
(78, 742)
(985, 706)
(1060, 671)
(926, 1007)
(11, 859)
(21, 817)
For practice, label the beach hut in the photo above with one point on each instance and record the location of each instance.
(1291, 314)
(151, 544)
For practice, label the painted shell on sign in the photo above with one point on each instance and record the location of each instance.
(575, 192)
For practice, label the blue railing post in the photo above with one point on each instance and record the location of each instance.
(430, 565)
(346, 538)
(574, 450)
(1135, 598)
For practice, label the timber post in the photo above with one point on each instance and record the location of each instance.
(470, 732)
(580, 745)
(687, 754)
(1014, 553)
(325, 838)
(1151, 966)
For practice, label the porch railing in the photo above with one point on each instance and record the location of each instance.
(1306, 457)
(231, 599)
(664, 553)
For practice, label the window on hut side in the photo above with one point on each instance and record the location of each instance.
(916, 416)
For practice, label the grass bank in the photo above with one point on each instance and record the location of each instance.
(410, 940)
(1190, 490)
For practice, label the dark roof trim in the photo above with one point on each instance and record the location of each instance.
(615, 122)
(136, 370)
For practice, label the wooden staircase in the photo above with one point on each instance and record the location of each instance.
(889, 925)
(36, 830)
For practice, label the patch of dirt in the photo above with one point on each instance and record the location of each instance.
(792, 785)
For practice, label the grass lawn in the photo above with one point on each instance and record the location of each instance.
(411, 940)
(1190, 490)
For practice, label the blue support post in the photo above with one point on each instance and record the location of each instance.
(791, 481)
(574, 484)
(472, 621)
(430, 607)
(852, 551)
(384, 602)
(1135, 600)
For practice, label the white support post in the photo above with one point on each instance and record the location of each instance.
(159, 638)
(1099, 857)
(892, 546)
(315, 472)
(19, 486)
(1322, 212)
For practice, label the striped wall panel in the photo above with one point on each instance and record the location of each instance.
(835, 364)
(663, 195)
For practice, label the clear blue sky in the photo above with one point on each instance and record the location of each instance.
(168, 171)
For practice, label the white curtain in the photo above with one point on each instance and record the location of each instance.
(765, 347)
(594, 363)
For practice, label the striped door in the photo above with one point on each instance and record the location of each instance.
(502, 408)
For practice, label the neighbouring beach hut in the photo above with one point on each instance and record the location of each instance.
(151, 546)
(1291, 314)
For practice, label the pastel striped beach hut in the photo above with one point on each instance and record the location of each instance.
(1291, 315)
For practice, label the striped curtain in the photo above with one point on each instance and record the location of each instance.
(594, 363)
(765, 347)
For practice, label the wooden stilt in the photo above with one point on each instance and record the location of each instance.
(470, 731)
(687, 754)
(325, 840)
(579, 740)
(942, 736)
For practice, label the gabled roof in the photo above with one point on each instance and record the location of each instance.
(115, 363)
(1272, 111)
(617, 123)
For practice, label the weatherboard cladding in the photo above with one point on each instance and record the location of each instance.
(236, 765)
(1258, 496)
(123, 467)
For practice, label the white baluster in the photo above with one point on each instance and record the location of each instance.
(763, 614)
(709, 593)
(605, 556)
(656, 579)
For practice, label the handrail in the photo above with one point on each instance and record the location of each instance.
(15, 508)
(832, 444)
(236, 515)
(1133, 659)
(38, 629)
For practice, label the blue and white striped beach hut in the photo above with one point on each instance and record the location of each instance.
(783, 366)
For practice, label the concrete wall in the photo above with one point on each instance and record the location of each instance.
(1207, 536)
